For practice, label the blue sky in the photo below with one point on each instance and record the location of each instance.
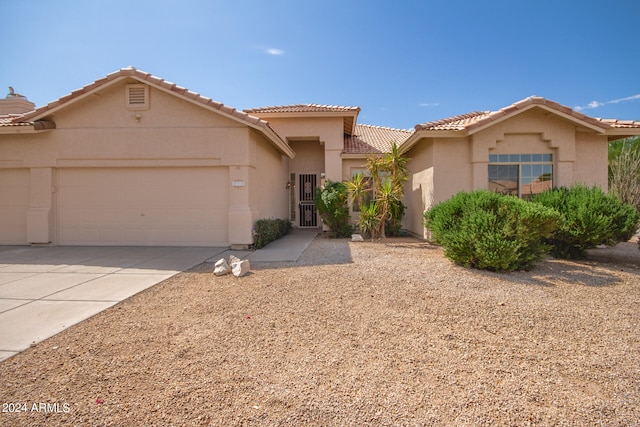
(403, 62)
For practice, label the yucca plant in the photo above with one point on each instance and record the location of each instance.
(369, 219)
(385, 186)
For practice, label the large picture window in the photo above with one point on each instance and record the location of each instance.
(521, 175)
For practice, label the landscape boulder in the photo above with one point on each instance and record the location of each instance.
(240, 268)
(221, 267)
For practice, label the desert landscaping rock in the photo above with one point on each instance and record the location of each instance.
(240, 268)
(221, 267)
(385, 333)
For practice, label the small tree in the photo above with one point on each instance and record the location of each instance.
(624, 170)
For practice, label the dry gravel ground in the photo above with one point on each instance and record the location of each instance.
(353, 334)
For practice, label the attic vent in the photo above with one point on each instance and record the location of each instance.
(137, 97)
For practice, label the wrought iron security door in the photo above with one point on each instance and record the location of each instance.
(308, 217)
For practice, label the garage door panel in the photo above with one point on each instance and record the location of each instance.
(151, 206)
(14, 203)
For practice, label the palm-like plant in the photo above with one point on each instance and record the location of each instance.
(358, 189)
(369, 219)
(386, 183)
(389, 193)
(396, 165)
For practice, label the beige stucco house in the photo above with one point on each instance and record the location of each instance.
(132, 159)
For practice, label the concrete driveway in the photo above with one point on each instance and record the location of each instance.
(44, 290)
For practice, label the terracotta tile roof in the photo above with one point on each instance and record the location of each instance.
(15, 121)
(374, 139)
(471, 121)
(303, 108)
(8, 120)
(460, 122)
(622, 124)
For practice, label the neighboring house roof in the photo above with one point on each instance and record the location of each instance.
(12, 123)
(159, 83)
(350, 114)
(468, 124)
(373, 140)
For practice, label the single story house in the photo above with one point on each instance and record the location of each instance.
(132, 159)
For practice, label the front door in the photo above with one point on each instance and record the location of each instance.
(308, 217)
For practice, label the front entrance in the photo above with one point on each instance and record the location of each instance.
(307, 192)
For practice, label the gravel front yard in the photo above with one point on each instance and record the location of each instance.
(369, 333)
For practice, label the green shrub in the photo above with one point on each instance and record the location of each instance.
(268, 230)
(590, 218)
(332, 205)
(490, 231)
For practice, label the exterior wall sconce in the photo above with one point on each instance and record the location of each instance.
(138, 117)
(290, 184)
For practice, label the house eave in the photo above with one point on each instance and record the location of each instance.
(616, 133)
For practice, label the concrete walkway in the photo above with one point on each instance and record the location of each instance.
(286, 249)
(44, 290)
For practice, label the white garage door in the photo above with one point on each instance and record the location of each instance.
(142, 206)
(14, 203)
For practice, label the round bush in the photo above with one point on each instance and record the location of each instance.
(590, 217)
(490, 231)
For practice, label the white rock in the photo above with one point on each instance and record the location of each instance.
(240, 268)
(357, 238)
(221, 268)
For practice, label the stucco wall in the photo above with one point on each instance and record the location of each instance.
(269, 180)
(309, 156)
(590, 166)
(328, 130)
(419, 191)
(452, 167)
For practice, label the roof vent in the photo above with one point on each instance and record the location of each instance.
(137, 97)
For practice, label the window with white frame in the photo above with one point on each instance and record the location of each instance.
(521, 175)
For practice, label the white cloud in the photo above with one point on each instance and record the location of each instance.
(274, 51)
(596, 104)
(428, 104)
